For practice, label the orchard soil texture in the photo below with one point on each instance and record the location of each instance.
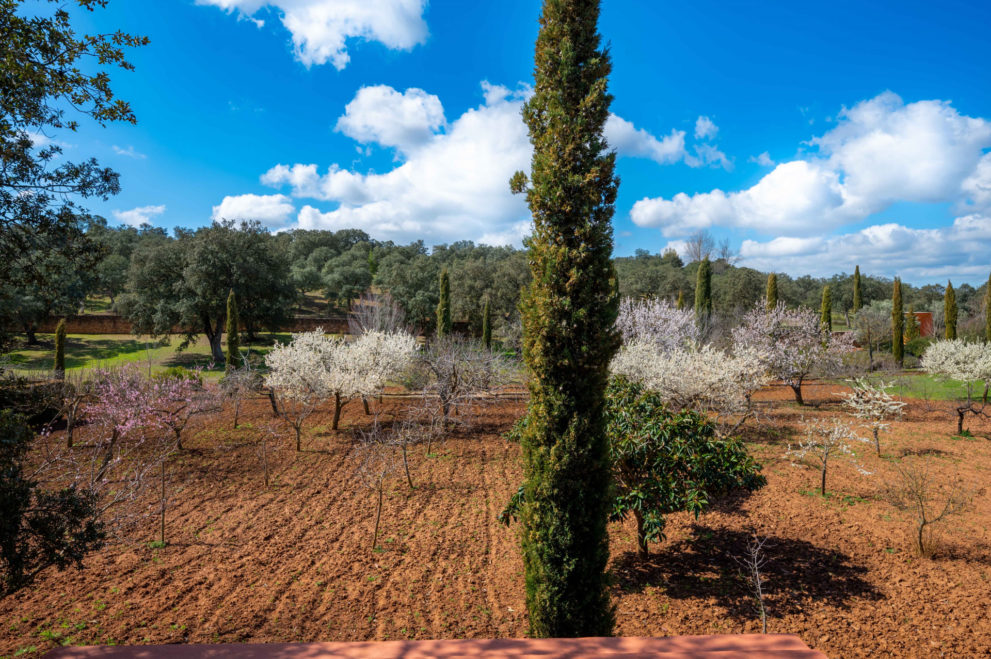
(294, 561)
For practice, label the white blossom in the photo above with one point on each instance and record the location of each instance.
(874, 406)
(657, 321)
(825, 439)
(958, 360)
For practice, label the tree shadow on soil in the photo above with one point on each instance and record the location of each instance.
(703, 567)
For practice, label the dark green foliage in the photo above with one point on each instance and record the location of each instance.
(987, 311)
(918, 345)
(826, 314)
(681, 300)
(233, 333)
(950, 311)
(185, 282)
(858, 299)
(444, 304)
(703, 290)
(179, 373)
(569, 311)
(38, 528)
(663, 462)
(772, 291)
(487, 325)
(50, 73)
(59, 365)
(897, 323)
(912, 328)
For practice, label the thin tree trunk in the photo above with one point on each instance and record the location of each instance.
(877, 443)
(378, 517)
(163, 501)
(237, 411)
(337, 410)
(275, 404)
(364, 402)
(641, 534)
(299, 437)
(822, 488)
(409, 479)
(960, 414)
(797, 388)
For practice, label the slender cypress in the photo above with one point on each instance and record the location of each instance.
(569, 311)
(59, 365)
(487, 325)
(681, 300)
(912, 328)
(444, 305)
(858, 300)
(826, 314)
(233, 332)
(772, 291)
(950, 311)
(703, 290)
(987, 312)
(897, 323)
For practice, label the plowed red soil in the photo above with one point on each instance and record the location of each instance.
(294, 562)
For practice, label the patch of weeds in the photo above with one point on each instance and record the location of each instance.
(891, 550)
(28, 649)
(156, 544)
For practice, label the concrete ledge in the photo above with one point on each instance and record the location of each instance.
(747, 646)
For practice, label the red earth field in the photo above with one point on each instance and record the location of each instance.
(294, 561)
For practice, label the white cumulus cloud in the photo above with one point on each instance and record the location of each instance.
(628, 140)
(138, 216)
(271, 210)
(320, 29)
(881, 151)
(705, 129)
(384, 116)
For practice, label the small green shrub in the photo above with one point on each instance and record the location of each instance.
(918, 345)
(179, 373)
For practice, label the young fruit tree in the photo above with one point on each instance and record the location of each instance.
(176, 399)
(296, 376)
(792, 343)
(462, 376)
(375, 460)
(929, 501)
(872, 404)
(825, 439)
(968, 363)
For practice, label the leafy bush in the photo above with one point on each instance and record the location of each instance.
(38, 528)
(179, 373)
(918, 345)
(663, 461)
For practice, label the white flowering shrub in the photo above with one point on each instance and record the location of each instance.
(969, 363)
(657, 321)
(826, 439)
(872, 404)
(792, 343)
(704, 379)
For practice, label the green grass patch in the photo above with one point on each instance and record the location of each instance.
(925, 386)
(89, 351)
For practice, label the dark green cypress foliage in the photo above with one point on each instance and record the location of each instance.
(858, 300)
(233, 332)
(950, 311)
(912, 328)
(703, 290)
(897, 323)
(373, 264)
(772, 291)
(60, 349)
(681, 300)
(827, 309)
(569, 311)
(444, 305)
(987, 312)
(487, 325)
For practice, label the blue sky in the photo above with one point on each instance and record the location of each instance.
(814, 136)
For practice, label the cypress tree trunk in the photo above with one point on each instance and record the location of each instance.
(772, 291)
(950, 311)
(827, 309)
(487, 325)
(897, 324)
(233, 332)
(444, 305)
(703, 291)
(858, 300)
(59, 365)
(569, 310)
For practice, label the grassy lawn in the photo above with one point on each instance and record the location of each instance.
(88, 351)
(924, 386)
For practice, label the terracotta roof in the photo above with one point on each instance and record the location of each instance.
(748, 646)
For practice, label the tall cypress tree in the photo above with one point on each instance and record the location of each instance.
(703, 290)
(912, 327)
(950, 311)
(858, 300)
(569, 311)
(59, 365)
(826, 313)
(233, 332)
(987, 312)
(897, 323)
(772, 291)
(444, 305)
(681, 300)
(487, 325)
